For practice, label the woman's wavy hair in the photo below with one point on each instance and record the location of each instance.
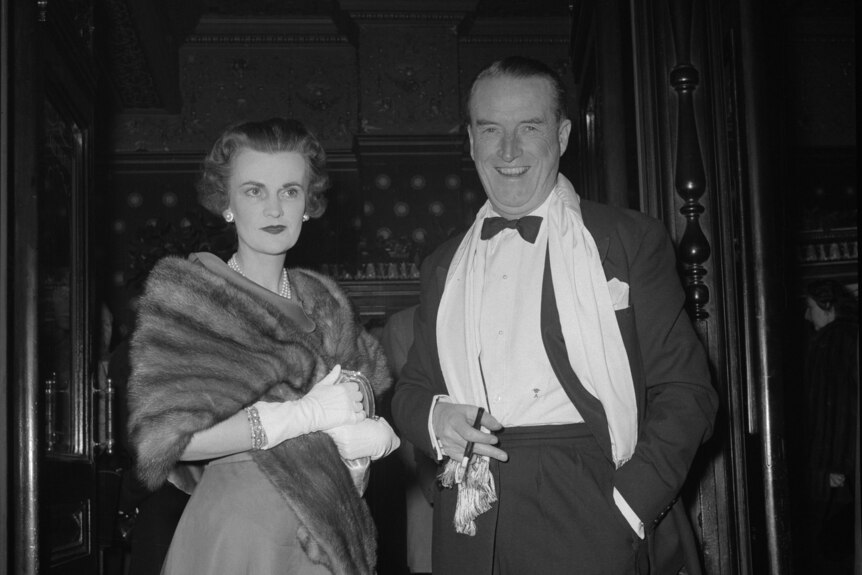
(269, 136)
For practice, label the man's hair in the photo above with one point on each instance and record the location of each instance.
(269, 136)
(521, 67)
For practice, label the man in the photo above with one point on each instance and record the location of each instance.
(567, 327)
(419, 471)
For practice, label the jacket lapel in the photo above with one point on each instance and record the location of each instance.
(588, 405)
(603, 243)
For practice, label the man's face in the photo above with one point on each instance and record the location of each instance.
(516, 142)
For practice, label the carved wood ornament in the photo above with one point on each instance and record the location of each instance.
(689, 176)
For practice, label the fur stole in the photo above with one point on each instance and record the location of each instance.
(205, 348)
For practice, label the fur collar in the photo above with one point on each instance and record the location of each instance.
(205, 348)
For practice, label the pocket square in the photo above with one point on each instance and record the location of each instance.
(619, 293)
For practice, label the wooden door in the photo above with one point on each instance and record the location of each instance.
(671, 120)
(65, 350)
(53, 364)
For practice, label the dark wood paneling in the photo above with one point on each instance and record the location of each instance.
(603, 112)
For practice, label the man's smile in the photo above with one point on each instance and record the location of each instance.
(511, 172)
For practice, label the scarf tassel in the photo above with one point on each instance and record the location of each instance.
(476, 491)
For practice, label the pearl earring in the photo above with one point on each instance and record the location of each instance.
(305, 217)
(228, 216)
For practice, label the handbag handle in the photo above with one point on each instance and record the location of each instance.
(364, 387)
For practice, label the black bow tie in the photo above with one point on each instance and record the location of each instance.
(528, 227)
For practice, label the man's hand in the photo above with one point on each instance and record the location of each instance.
(453, 426)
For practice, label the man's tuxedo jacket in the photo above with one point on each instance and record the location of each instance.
(675, 397)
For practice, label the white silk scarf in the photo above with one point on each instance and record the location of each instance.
(592, 336)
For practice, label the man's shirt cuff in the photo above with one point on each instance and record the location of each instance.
(632, 518)
(438, 451)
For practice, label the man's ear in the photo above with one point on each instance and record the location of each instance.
(470, 135)
(563, 134)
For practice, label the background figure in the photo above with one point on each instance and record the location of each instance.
(146, 519)
(829, 427)
(420, 471)
(140, 522)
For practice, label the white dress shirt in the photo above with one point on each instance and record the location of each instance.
(522, 388)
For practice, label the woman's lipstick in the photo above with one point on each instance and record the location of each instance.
(274, 229)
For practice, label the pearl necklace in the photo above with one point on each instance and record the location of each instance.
(284, 289)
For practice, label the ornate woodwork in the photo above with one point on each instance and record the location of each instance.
(235, 70)
(822, 218)
(684, 149)
(137, 48)
(412, 195)
(689, 178)
(603, 110)
(395, 195)
(130, 72)
(376, 300)
(53, 454)
(703, 165)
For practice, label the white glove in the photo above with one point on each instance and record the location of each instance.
(372, 438)
(327, 405)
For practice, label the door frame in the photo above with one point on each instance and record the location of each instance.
(27, 34)
(700, 122)
(21, 110)
(5, 186)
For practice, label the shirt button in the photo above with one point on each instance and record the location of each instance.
(500, 332)
(505, 277)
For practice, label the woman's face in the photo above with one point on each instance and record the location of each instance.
(267, 196)
(820, 318)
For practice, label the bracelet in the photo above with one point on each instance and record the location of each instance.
(258, 435)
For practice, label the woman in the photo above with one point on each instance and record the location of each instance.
(239, 366)
(829, 427)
